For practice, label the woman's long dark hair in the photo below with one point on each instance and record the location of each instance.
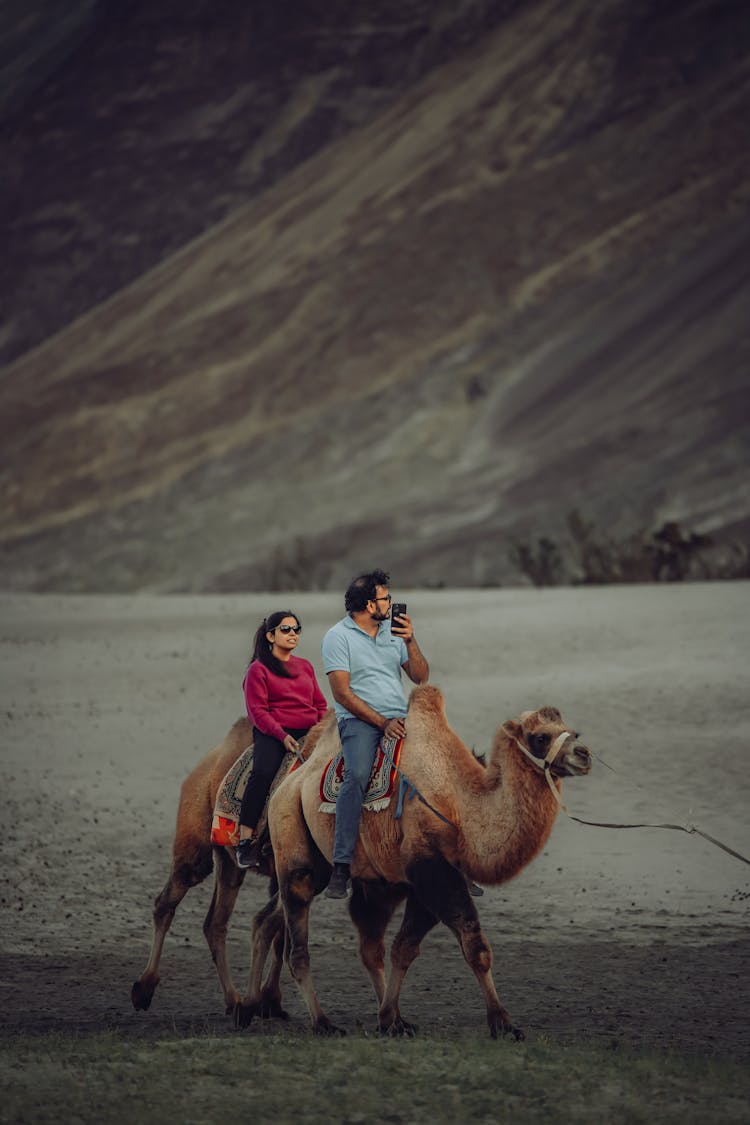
(262, 648)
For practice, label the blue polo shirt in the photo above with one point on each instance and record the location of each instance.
(373, 664)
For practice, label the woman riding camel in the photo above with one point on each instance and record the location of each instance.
(283, 702)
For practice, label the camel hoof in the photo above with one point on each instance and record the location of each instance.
(141, 995)
(230, 1003)
(500, 1024)
(323, 1026)
(270, 1008)
(516, 1033)
(244, 1014)
(399, 1029)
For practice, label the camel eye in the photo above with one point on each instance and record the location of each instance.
(540, 742)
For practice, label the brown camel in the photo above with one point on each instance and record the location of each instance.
(193, 858)
(497, 818)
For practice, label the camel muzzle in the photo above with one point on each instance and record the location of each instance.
(575, 760)
(562, 759)
(567, 757)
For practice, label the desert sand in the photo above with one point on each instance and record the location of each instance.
(633, 937)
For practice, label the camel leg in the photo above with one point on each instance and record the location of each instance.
(228, 880)
(268, 932)
(418, 921)
(299, 881)
(298, 891)
(371, 908)
(185, 873)
(445, 892)
(270, 997)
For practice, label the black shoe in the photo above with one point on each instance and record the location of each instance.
(248, 852)
(475, 890)
(338, 886)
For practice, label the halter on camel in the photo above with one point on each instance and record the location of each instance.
(545, 764)
(408, 790)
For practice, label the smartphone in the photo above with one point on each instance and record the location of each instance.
(397, 608)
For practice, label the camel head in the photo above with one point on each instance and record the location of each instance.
(549, 743)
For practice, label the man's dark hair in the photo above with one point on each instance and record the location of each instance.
(363, 590)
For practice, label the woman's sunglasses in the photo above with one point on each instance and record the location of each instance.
(289, 629)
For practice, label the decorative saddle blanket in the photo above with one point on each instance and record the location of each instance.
(225, 826)
(380, 786)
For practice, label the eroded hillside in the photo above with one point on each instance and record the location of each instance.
(497, 333)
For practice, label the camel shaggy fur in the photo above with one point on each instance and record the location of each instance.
(497, 818)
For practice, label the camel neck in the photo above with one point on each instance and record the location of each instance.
(516, 806)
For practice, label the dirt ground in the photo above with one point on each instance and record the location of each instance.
(623, 937)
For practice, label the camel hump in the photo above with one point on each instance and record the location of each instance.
(427, 698)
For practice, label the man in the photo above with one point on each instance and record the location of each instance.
(363, 655)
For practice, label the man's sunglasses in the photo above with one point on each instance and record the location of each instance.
(289, 628)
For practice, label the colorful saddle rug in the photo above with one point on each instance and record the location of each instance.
(380, 786)
(225, 825)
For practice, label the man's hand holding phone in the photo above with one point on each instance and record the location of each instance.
(398, 628)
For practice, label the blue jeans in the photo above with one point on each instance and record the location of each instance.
(359, 741)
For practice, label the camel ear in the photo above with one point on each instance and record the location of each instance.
(551, 714)
(514, 729)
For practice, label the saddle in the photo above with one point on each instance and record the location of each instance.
(382, 778)
(225, 824)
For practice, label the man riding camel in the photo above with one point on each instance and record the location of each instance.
(363, 655)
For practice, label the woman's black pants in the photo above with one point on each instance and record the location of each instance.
(268, 754)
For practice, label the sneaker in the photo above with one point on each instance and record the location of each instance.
(338, 886)
(248, 852)
(475, 890)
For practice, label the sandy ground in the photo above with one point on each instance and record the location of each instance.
(622, 937)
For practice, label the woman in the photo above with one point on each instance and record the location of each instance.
(283, 701)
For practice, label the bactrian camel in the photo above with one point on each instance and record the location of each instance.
(503, 816)
(193, 858)
(500, 817)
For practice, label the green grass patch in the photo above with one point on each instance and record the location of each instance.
(289, 1076)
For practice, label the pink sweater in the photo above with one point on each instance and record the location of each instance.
(276, 704)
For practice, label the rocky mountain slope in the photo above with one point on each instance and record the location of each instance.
(131, 127)
(494, 330)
